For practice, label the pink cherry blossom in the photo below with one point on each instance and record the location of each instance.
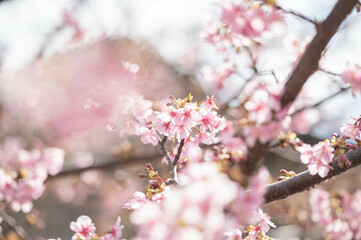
(263, 220)
(209, 104)
(318, 158)
(351, 131)
(83, 227)
(352, 76)
(135, 203)
(115, 233)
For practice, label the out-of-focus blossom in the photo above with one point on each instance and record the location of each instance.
(352, 76)
(216, 75)
(304, 120)
(235, 145)
(235, 234)
(135, 203)
(115, 233)
(247, 202)
(346, 223)
(195, 211)
(249, 21)
(23, 173)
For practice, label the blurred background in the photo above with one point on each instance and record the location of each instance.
(65, 63)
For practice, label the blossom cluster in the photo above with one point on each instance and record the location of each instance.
(216, 75)
(181, 119)
(241, 24)
(249, 20)
(84, 229)
(196, 210)
(23, 172)
(318, 157)
(345, 222)
(266, 118)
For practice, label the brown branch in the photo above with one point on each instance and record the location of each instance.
(308, 63)
(321, 101)
(177, 156)
(305, 67)
(174, 165)
(304, 181)
(104, 166)
(13, 225)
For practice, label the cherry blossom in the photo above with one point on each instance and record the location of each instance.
(352, 131)
(263, 221)
(135, 203)
(317, 158)
(84, 228)
(352, 76)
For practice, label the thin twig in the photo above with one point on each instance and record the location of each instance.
(305, 180)
(314, 22)
(14, 226)
(329, 72)
(321, 101)
(177, 156)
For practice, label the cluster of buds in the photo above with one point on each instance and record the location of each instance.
(285, 174)
(156, 184)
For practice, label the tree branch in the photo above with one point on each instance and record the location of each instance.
(177, 156)
(308, 63)
(304, 181)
